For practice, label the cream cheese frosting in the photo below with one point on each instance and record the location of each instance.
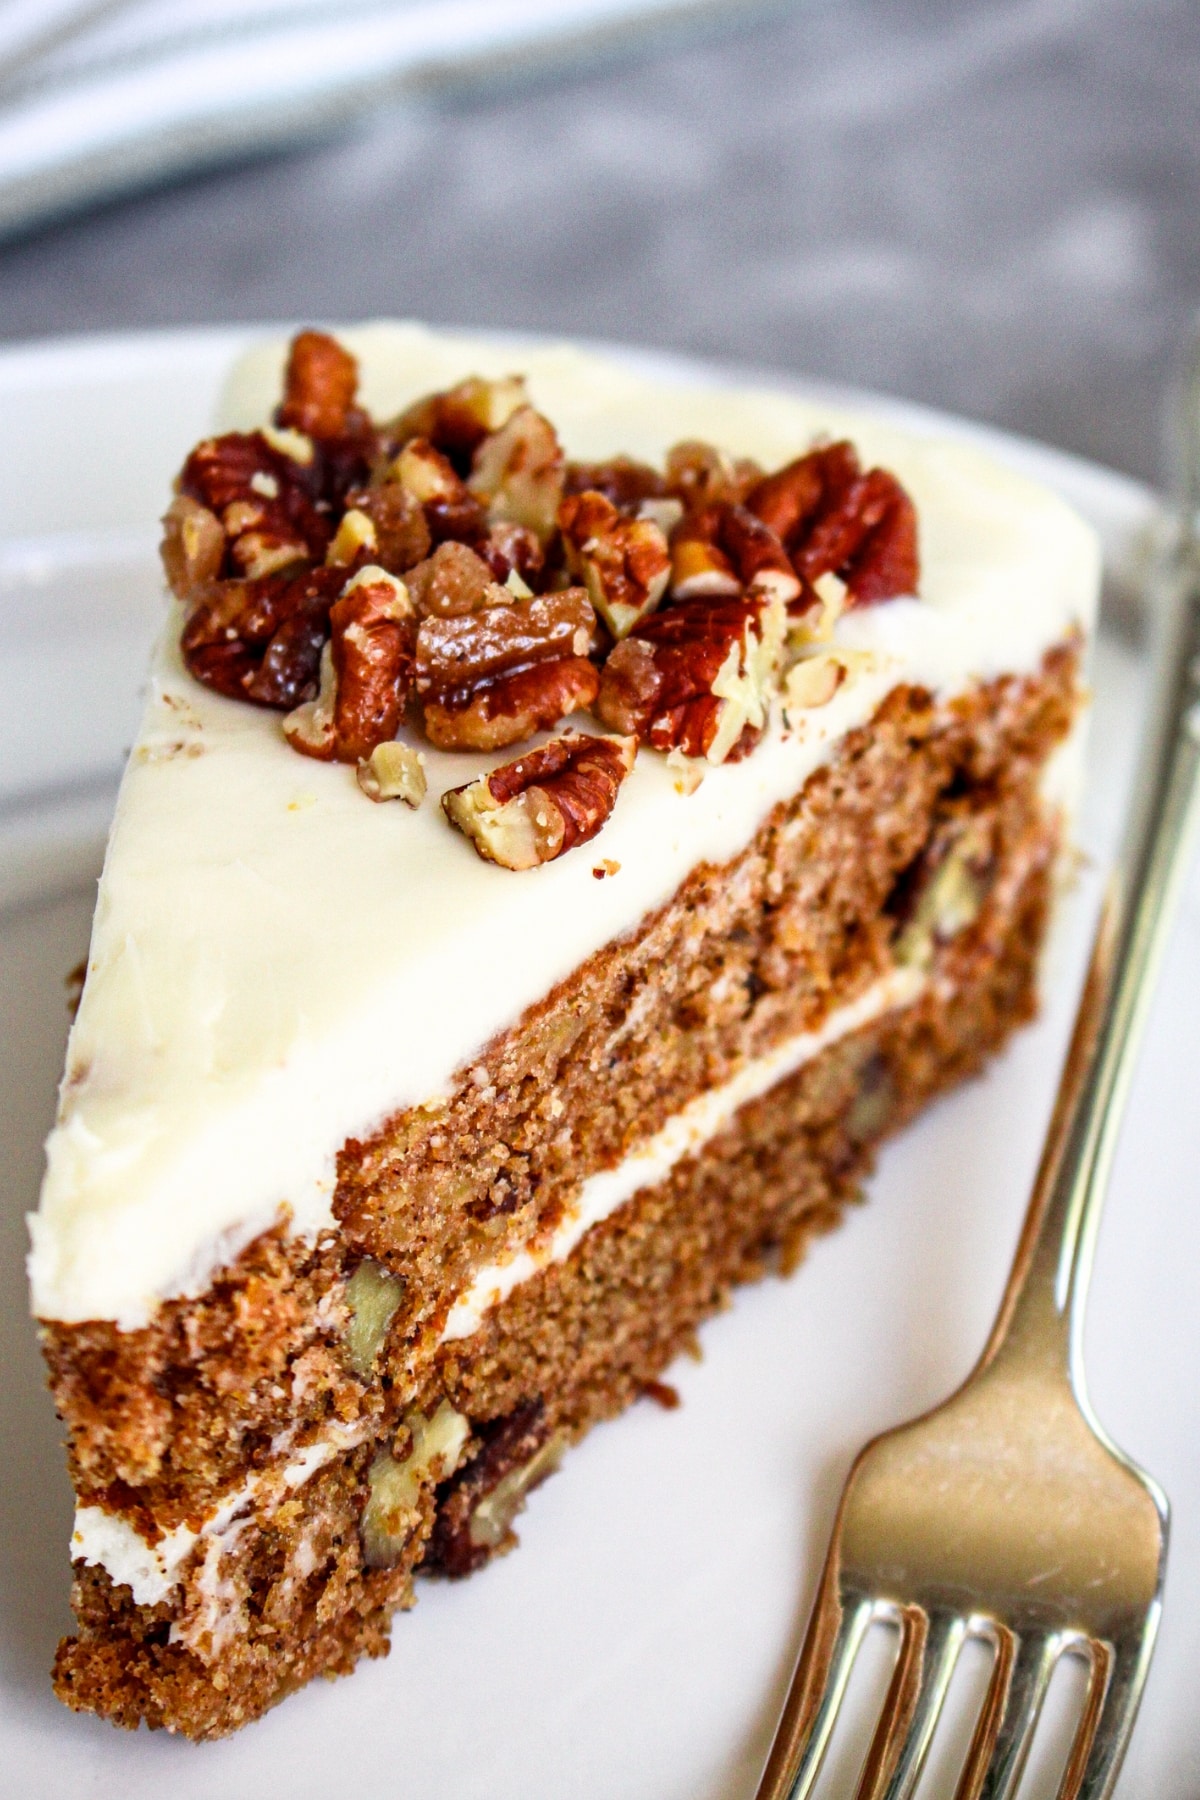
(277, 965)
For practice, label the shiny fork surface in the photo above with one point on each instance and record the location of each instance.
(1007, 1513)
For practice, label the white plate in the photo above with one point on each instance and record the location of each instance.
(639, 1644)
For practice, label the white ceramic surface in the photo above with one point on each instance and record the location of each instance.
(639, 1644)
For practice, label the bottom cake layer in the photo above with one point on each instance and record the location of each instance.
(301, 1569)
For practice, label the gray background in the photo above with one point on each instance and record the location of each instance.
(991, 205)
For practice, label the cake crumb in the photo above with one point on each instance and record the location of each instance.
(607, 867)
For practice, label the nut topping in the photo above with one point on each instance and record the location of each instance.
(624, 563)
(335, 569)
(476, 1510)
(519, 472)
(697, 677)
(393, 771)
(537, 808)
(366, 679)
(318, 387)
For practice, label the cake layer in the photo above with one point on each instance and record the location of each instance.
(834, 896)
(277, 968)
(271, 1597)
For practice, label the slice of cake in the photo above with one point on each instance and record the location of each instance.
(573, 821)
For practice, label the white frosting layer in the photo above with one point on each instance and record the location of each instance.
(684, 1135)
(277, 964)
(150, 1571)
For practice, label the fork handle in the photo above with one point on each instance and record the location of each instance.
(1041, 1315)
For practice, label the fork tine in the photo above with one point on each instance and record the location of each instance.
(929, 1649)
(1109, 1711)
(835, 1631)
(1009, 1716)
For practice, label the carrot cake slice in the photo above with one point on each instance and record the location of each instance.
(573, 821)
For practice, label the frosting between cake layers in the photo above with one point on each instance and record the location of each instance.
(277, 965)
(685, 1134)
(152, 1570)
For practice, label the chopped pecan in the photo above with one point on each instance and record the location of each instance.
(193, 546)
(369, 671)
(393, 771)
(268, 504)
(459, 655)
(625, 563)
(832, 518)
(722, 550)
(319, 386)
(457, 420)
(453, 582)
(477, 1506)
(519, 472)
(701, 475)
(261, 640)
(622, 480)
(510, 549)
(451, 510)
(537, 808)
(513, 707)
(697, 677)
(402, 536)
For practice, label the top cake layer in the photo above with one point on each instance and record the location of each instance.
(276, 965)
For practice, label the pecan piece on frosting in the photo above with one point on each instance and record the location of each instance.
(261, 640)
(365, 676)
(457, 420)
(723, 550)
(266, 503)
(492, 677)
(545, 803)
(451, 509)
(834, 519)
(624, 563)
(518, 472)
(701, 475)
(454, 581)
(319, 386)
(697, 677)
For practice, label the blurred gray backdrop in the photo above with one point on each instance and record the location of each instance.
(990, 205)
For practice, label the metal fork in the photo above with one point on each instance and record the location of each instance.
(1007, 1513)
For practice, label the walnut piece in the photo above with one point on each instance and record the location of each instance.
(624, 563)
(396, 1486)
(475, 1513)
(537, 808)
(373, 1295)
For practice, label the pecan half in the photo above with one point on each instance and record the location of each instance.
(513, 707)
(624, 563)
(697, 677)
(319, 386)
(261, 640)
(545, 803)
(456, 655)
(722, 550)
(366, 680)
(519, 471)
(477, 1506)
(833, 518)
(268, 504)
